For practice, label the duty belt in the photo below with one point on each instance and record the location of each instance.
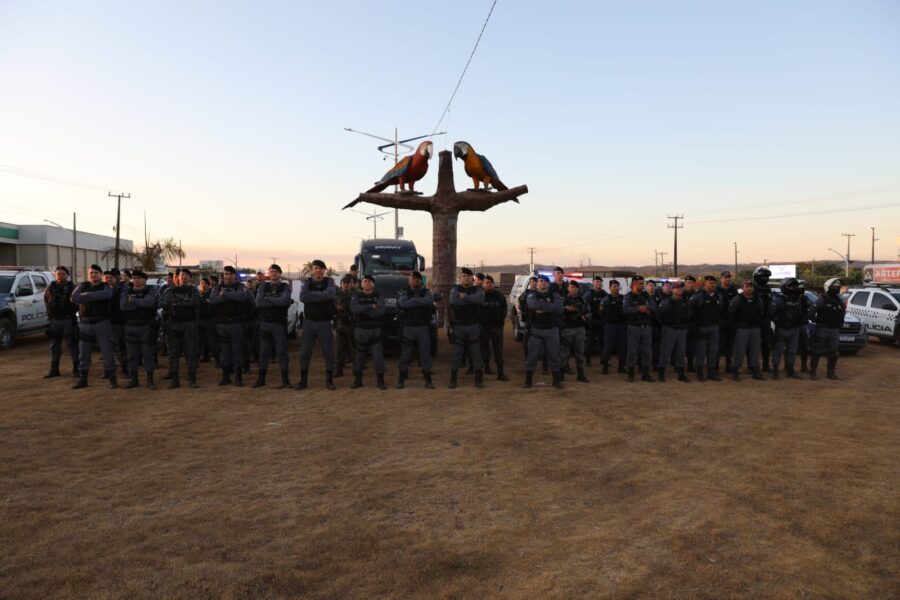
(93, 320)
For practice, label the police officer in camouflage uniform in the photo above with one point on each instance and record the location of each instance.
(639, 307)
(746, 311)
(416, 304)
(229, 307)
(828, 315)
(273, 297)
(788, 315)
(343, 324)
(63, 326)
(706, 308)
(465, 308)
(545, 309)
(594, 336)
(317, 296)
(93, 299)
(493, 317)
(368, 314)
(575, 316)
(674, 314)
(138, 304)
(182, 303)
(615, 327)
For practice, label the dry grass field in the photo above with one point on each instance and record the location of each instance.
(604, 490)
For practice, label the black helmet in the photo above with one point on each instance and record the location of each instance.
(790, 285)
(761, 275)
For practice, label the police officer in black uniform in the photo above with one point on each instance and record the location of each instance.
(615, 327)
(138, 305)
(465, 314)
(182, 303)
(728, 292)
(575, 317)
(416, 304)
(593, 343)
(229, 308)
(273, 297)
(706, 308)
(545, 309)
(317, 297)
(63, 325)
(746, 312)
(523, 312)
(828, 316)
(639, 307)
(690, 289)
(93, 299)
(788, 315)
(111, 277)
(208, 334)
(803, 343)
(674, 314)
(761, 276)
(343, 325)
(493, 317)
(368, 315)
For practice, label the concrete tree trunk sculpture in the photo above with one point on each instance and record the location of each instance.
(444, 206)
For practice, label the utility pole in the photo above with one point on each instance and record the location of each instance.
(120, 195)
(74, 250)
(873, 244)
(735, 259)
(676, 227)
(848, 236)
(662, 262)
(656, 262)
(531, 251)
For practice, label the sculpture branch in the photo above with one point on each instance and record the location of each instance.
(482, 200)
(408, 202)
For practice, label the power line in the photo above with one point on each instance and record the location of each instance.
(881, 189)
(458, 83)
(531, 250)
(52, 178)
(801, 214)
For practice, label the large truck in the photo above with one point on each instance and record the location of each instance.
(390, 262)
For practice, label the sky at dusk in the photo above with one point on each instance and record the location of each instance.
(771, 124)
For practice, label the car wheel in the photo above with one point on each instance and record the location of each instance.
(6, 333)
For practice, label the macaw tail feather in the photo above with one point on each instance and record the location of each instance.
(379, 187)
(498, 185)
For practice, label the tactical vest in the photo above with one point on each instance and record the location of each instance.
(709, 310)
(678, 314)
(59, 305)
(206, 310)
(181, 313)
(93, 312)
(491, 315)
(465, 314)
(791, 314)
(596, 303)
(142, 315)
(318, 311)
(543, 320)
(631, 300)
(613, 310)
(115, 312)
(418, 315)
(273, 314)
(229, 312)
(727, 294)
(574, 319)
(830, 311)
(764, 294)
(366, 320)
(750, 312)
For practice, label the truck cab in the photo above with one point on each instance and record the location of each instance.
(390, 262)
(22, 309)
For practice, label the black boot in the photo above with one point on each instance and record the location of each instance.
(606, 367)
(453, 382)
(766, 368)
(488, 370)
(791, 373)
(622, 368)
(631, 374)
(82, 380)
(832, 366)
(645, 375)
(125, 371)
(479, 378)
(470, 370)
(226, 376)
(429, 384)
(804, 365)
(557, 380)
(54, 370)
(757, 375)
(174, 382)
(151, 385)
(775, 374)
(701, 376)
(135, 382)
(529, 379)
(736, 374)
(814, 367)
(285, 380)
(690, 365)
(260, 379)
(75, 372)
(339, 370)
(111, 376)
(714, 375)
(682, 376)
(329, 381)
(581, 376)
(401, 379)
(304, 381)
(501, 375)
(192, 380)
(357, 381)
(661, 375)
(381, 384)
(239, 377)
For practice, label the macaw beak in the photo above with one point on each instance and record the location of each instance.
(429, 150)
(458, 152)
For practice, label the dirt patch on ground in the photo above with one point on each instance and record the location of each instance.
(603, 490)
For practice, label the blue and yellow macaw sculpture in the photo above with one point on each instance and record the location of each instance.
(477, 166)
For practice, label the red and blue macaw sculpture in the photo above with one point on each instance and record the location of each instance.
(408, 171)
(477, 166)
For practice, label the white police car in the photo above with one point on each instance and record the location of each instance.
(22, 308)
(878, 307)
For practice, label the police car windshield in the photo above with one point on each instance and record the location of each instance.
(388, 263)
(6, 282)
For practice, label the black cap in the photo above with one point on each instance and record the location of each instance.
(415, 274)
(725, 274)
(747, 282)
(709, 278)
(138, 273)
(489, 278)
(213, 277)
(598, 277)
(690, 278)
(466, 271)
(229, 269)
(613, 282)
(205, 279)
(178, 270)
(678, 284)
(127, 272)
(319, 263)
(188, 271)
(62, 268)
(276, 267)
(479, 276)
(347, 279)
(169, 275)
(95, 268)
(369, 277)
(543, 278)
(637, 278)
(558, 270)
(115, 271)
(108, 272)
(573, 283)
(354, 267)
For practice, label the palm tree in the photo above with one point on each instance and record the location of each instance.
(152, 253)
